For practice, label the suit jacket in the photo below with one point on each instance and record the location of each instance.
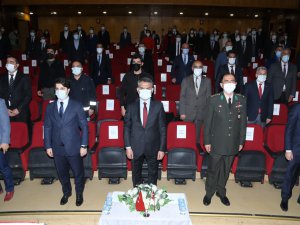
(224, 127)
(191, 104)
(276, 77)
(181, 70)
(104, 68)
(254, 47)
(91, 43)
(292, 130)
(78, 54)
(148, 140)
(104, 38)
(148, 65)
(212, 53)
(42, 52)
(4, 124)
(254, 103)
(125, 41)
(32, 47)
(243, 55)
(238, 77)
(63, 134)
(19, 96)
(220, 61)
(64, 42)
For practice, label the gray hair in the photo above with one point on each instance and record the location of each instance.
(261, 68)
(145, 79)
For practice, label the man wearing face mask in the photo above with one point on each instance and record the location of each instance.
(192, 39)
(212, 48)
(104, 37)
(14, 39)
(81, 32)
(232, 68)
(148, 41)
(66, 139)
(125, 38)
(283, 76)
(223, 40)
(91, 41)
(65, 39)
(50, 70)
(128, 92)
(175, 49)
(182, 65)
(145, 137)
(147, 59)
(143, 32)
(224, 136)
(194, 94)
(32, 45)
(83, 89)
(254, 43)
(202, 39)
(276, 57)
(100, 67)
(270, 46)
(42, 50)
(260, 100)
(77, 49)
(222, 57)
(243, 50)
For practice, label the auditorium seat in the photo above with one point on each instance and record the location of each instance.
(280, 116)
(173, 92)
(44, 107)
(158, 92)
(181, 160)
(34, 110)
(170, 110)
(106, 91)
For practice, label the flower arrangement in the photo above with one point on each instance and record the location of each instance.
(145, 197)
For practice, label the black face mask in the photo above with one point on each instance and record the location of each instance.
(50, 56)
(136, 67)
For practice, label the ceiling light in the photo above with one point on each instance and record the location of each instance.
(104, 12)
(53, 13)
(231, 14)
(79, 13)
(155, 13)
(31, 13)
(206, 14)
(129, 12)
(181, 13)
(256, 15)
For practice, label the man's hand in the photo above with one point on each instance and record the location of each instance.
(49, 152)
(129, 153)
(289, 155)
(40, 93)
(173, 80)
(83, 151)
(15, 112)
(268, 121)
(10, 113)
(208, 148)
(91, 112)
(160, 155)
(290, 98)
(240, 147)
(123, 110)
(4, 147)
(182, 117)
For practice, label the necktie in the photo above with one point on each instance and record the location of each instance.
(196, 82)
(229, 103)
(61, 109)
(99, 59)
(212, 45)
(185, 60)
(284, 70)
(11, 81)
(260, 95)
(145, 114)
(253, 40)
(244, 47)
(231, 70)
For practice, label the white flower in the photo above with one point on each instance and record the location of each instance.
(152, 201)
(154, 188)
(161, 202)
(135, 191)
(134, 199)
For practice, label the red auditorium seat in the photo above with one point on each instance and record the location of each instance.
(158, 92)
(282, 114)
(44, 107)
(106, 91)
(34, 110)
(109, 109)
(173, 92)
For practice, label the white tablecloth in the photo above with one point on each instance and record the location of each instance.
(168, 215)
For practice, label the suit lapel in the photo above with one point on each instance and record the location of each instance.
(138, 111)
(150, 112)
(69, 106)
(55, 113)
(17, 79)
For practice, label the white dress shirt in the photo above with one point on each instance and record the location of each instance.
(66, 102)
(262, 86)
(198, 83)
(142, 108)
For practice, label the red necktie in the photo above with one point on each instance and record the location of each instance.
(145, 114)
(260, 94)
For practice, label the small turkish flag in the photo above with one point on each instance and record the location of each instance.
(139, 205)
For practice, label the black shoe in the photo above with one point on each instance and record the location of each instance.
(206, 200)
(284, 206)
(298, 200)
(79, 199)
(223, 199)
(64, 199)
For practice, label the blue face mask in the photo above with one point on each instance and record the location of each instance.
(278, 54)
(185, 51)
(285, 58)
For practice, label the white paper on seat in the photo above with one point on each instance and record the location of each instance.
(166, 105)
(245, 80)
(158, 46)
(107, 52)
(24, 57)
(26, 69)
(110, 104)
(204, 69)
(117, 47)
(0, 63)
(295, 99)
(261, 56)
(195, 57)
(132, 53)
(66, 62)
(250, 134)
(181, 132)
(163, 77)
(276, 110)
(113, 132)
(122, 76)
(128, 61)
(105, 89)
(169, 68)
(255, 65)
(111, 55)
(159, 62)
(253, 59)
(33, 63)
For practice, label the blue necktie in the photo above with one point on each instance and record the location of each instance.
(61, 109)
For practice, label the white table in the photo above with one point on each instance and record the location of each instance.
(168, 215)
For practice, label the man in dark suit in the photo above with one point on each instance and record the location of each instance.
(243, 50)
(254, 42)
(104, 37)
(194, 94)
(231, 68)
(146, 54)
(42, 50)
(145, 132)
(91, 42)
(125, 38)
(292, 154)
(15, 89)
(182, 65)
(224, 136)
(212, 48)
(65, 38)
(100, 67)
(81, 32)
(65, 141)
(260, 100)
(283, 76)
(32, 45)
(77, 50)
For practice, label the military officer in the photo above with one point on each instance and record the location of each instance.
(224, 136)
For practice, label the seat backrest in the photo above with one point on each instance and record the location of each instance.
(111, 134)
(254, 138)
(92, 133)
(274, 137)
(37, 135)
(280, 114)
(169, 107)
(44, 107)
(34, 110)
(109, 109)
(107, 91)
(18, 135)
(173, 92)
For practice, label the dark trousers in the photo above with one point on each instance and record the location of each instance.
(290, 177)
(63, 165)
(7, 174)
(283, 99)
(217, 174)
(137, 166)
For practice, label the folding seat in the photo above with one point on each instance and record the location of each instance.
(110, 156)
(252, 162)
(106, 91)
(34, 110)
(158, 92)
(85, 68)
(182, 157)
(274, 144)
(173, 92)
(170, 110)
(280, 114)
(163, 78)
(117, 72)
(19, 142)
(44, 107)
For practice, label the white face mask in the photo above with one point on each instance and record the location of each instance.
(198, 71)
(237, 38)
(229, 87)
(178, 39)
(32, 34)
(228, 48)
(185, 51)
(145, 94)
(243, 37)
(10, 67)
(76, 37)
(76, 70)
(43, 41)
(61, 94)
(231, 61)
(99, 50)
(142, 49)
(66, 28)
(261, 78)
